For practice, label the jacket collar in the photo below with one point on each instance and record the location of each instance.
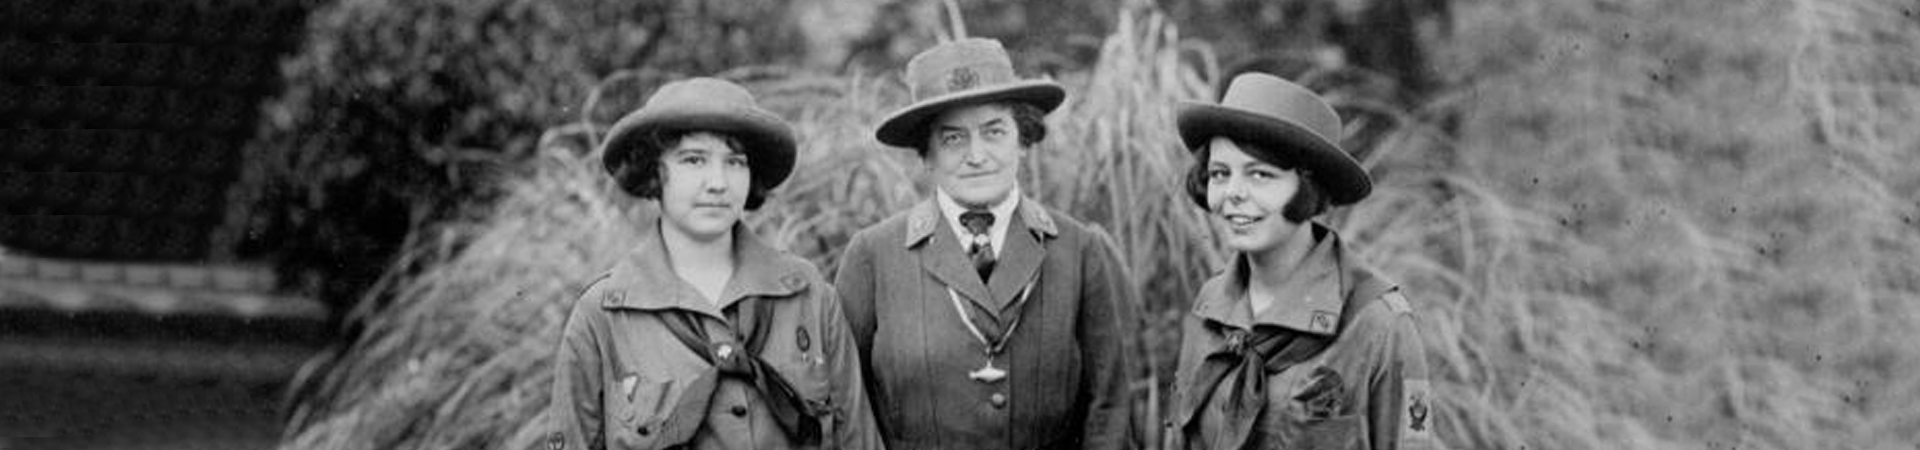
(1314, 298)
(924, 218)
(645, 280)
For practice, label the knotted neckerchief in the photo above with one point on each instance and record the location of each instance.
(1241, 366)
(978, 222)
(793, 413)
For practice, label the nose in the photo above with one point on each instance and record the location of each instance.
(713, 180)
(975, 156)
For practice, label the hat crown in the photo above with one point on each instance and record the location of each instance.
(1271, 96)
(958, 66)
(699, 91)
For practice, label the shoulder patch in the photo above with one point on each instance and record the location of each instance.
(1418, 404)
(1396, 302)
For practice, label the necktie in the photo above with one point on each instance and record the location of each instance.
(1241, 367)
(795, 415)
(981, 250)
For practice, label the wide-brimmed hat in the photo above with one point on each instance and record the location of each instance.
(1286, 119)
(705, 104)
(961, 72)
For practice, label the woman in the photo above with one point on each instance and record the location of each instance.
(703, 336)
(1298, 345)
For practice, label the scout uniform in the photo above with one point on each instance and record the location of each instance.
(1345, 372)
(646, 362)
(1336, 362)
(1030, 356)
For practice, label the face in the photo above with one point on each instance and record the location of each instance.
(974, 152)
(1245, 196)
(704, 189)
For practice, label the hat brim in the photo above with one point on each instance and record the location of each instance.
(1333, 168)
(770, 143)
(907, 126)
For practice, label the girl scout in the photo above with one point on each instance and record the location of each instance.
(1299, 345)
(703, 336)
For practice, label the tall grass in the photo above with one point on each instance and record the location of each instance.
(1647, 225)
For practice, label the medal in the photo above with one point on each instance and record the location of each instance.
(987, 374)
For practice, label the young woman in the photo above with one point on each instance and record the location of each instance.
(703, 336)
(1298, 345)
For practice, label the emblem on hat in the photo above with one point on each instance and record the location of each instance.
(962, 78)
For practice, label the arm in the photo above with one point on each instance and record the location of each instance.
(856, 429)
(855, 285)
(1105, 313)
(577, 418)
(1400, 408)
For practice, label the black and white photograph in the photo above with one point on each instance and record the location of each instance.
(959, 224)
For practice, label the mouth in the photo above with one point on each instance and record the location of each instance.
(969, 176)
(1240, 221)
(713, 205)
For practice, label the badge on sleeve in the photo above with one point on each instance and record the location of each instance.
(802, 339)
(556, 442)
(1419, 409)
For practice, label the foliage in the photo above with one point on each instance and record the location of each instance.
(1627, 224)
(399, 113)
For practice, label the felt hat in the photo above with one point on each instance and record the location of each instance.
(962, 72)
(1285, 119)
(705, 104)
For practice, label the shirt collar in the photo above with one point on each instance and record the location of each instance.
(646, 280)
(924, 217)
(1314, 294)
(1001, 212)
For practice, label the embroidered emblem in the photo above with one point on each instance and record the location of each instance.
(1322, 321)
(1417, 407)
(802, 339)
(556, 442)
(962, 78)
(613, 296)
(725, 352)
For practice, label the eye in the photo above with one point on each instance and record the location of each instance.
(692, 159)
(1216, 175)
(950, 138)
(737, 161)
(996, 132)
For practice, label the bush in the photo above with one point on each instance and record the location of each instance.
(400, 113)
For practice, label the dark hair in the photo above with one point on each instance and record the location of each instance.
(1309, 201)
(1028, 120)
(642, 175)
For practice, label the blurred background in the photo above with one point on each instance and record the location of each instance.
(357, 224)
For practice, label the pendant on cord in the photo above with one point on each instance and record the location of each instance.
(988, 374)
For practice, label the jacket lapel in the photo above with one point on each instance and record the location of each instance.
(940, 254)
(1019, 263)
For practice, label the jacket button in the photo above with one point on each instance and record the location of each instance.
(998, 400)
(643, 430)
(739, 410)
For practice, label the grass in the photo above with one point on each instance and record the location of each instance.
(1644, 225)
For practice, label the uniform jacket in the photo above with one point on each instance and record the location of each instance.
(1367, 389)
(622, 380)
(1066, 386)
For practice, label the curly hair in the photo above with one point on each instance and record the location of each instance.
(1310, 201)
(1028, 120)
(641, 174)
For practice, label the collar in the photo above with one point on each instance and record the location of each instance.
(1314, 303)
(645, 279)
(924, 217)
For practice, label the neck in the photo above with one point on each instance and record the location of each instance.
(1268, 270)
(707, 264)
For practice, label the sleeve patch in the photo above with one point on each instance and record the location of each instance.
(1418, 409)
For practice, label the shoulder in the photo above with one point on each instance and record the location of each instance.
(893, 228)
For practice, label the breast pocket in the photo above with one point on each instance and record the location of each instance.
(1317, 414)
(651, 413)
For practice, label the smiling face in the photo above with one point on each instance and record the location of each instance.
(704, 184)
(974, 152)
(1247, 197)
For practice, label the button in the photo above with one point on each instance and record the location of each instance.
(739, 410)
(644, 430)
(998, 400)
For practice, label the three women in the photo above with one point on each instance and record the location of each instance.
(980, 318)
